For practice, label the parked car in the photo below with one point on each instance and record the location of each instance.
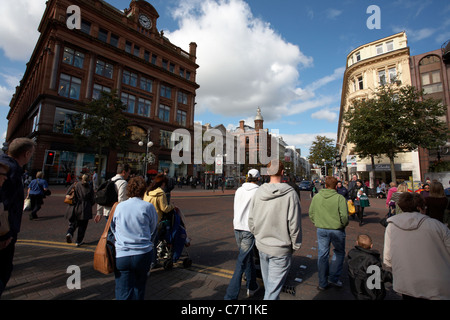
(305, 185)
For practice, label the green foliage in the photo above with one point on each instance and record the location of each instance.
(322, 148)
(103, 125)
(395, 120)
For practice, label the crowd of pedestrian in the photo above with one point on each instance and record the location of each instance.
(267, 225)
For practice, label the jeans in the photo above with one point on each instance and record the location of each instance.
(274, 272)
(131, 276)
(245, 241)
(330, 272)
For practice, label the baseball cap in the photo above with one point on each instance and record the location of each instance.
(254, 173)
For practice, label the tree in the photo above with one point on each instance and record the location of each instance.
(103, 125)
(395, 120)
(322, 148)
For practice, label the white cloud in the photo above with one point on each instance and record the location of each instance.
(6, 91)
(305, 140)
(333, 13)
(18, 27)
(325, 115)
(244, 63)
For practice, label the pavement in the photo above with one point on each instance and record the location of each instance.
(49, 270)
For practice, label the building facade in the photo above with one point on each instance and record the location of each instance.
(114, 50)
(369, 67)
(431, 72)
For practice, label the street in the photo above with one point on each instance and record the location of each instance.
(209, 217)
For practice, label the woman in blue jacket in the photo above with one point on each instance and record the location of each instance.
(133, 225)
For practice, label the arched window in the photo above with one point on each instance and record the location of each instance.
(137, 133)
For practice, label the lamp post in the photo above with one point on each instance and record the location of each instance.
(148, 146)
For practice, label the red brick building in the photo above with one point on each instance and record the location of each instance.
(430, 72)
(113, 50)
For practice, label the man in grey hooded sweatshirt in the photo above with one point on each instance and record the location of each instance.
(275, 221)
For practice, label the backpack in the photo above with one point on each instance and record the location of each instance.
(106, 194)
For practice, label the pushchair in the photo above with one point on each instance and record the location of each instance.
(172, 240)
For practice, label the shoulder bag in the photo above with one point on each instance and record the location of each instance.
(104, 255)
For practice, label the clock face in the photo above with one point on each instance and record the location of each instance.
(145, 21)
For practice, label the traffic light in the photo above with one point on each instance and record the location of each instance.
(50, 158)
(338, 160)
(322, 170)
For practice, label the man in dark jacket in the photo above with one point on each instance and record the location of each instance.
(359, 260)
(19, 154)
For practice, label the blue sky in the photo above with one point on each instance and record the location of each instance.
(286, 57)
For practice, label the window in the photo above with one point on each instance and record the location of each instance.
(73, 58)
(69, 86)
(144, 107)
(392, 75)
(188, 75)
(181, 118)
(358, 56)
(114, 40)
(389, 46)
(102, 35)
(136, 51)
(98, 89)
(431, 82)
(128, 100)
(104, 69)
(379, 49)
(165, 64)
(128, 46)
(36, 118)
(147, 56)
(146, 84)
(65, 121)
(165, 139)
(166, 92)
(129, 78)
(86, 26)
(164, 113)
(382, 77)
(182, 72)
(154, 58)
(429, 60)
(360, 83)
(172, 68)
(182, 97)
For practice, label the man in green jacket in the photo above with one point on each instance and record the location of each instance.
(328, 211)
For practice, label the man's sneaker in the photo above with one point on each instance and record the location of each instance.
(336, 284)
(322, 288)
(68, 238)
(251, 293)
(80, 244)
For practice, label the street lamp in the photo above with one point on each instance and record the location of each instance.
(149, 145)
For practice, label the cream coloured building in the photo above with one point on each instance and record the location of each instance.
(369, 66)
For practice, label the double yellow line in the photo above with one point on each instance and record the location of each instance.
(224, 273)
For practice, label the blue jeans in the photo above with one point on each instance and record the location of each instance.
(131, 276)
(330, 272)
(274, 272)
(245, 241)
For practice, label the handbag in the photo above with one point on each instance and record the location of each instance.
(70, 196)
(4, 223)
(104, 255)
(351, 207)
(27, 205)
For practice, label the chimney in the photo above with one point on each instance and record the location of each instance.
(241, 124)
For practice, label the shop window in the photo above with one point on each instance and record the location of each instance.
(69, 86)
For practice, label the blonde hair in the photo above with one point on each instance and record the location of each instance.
(364, 241)
(85, 179)
(403, 187)
(39, 175)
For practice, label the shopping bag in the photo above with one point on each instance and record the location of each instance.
(351, 207)
(104, 255)
(27, 205)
